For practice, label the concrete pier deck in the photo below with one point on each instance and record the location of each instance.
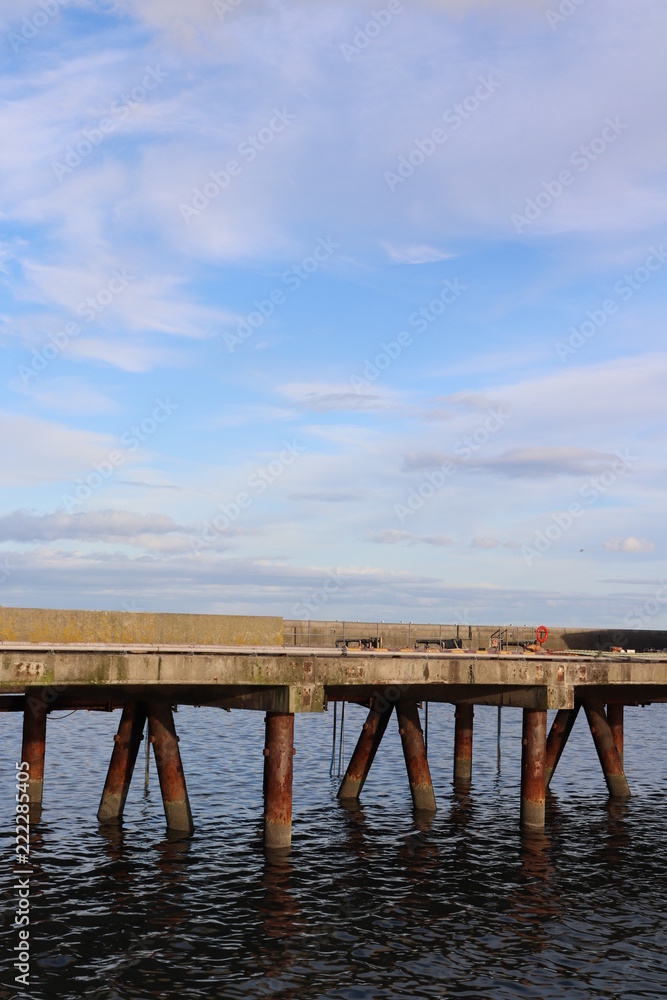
(279, 678)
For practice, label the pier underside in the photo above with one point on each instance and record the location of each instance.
(147, 680)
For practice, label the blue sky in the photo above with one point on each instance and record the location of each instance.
(335, 310)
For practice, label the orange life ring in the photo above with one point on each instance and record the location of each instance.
(542, 634)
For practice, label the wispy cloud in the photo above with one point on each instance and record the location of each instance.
(393, 537)
(65, 394)
(93, 526)
(417, 254)
(332, 496)
(321, 398)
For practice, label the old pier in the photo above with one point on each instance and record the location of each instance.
(146, 664)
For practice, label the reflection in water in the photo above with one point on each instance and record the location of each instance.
(538, 899)
(355, 826)
(373, 901)
(113, 839)
(280, 930)
(34, 814)
(618, 831)
(420, 851)
(461, 811)
(279, 908)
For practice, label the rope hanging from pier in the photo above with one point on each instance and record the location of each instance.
(341, 742)
(148, 759)
(333, 745)
(499, 730)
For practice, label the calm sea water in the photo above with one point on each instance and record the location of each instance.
(370, 904)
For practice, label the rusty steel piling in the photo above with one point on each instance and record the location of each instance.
(164, 741)
(278, 773)
(123, 758)
(608, 754)
(615, 720)
(364, 753)
(533, 769)
(414, 751)
(463, 727)
(558, 737)
(34, 743)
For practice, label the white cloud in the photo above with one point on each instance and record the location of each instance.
(486, 542)
(635, 546)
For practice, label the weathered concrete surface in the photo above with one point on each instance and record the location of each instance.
(305, 676)
(52, 626)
